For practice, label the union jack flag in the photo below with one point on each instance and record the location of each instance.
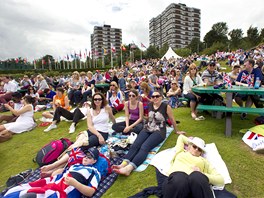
(244, 77)
(227, 80)
(254, 136)
(76, 156)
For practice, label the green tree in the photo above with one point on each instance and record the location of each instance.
(196, 45)
(184, 52)
(152, 52)
(221, 28)
(216, 46)
(261, 36)
(218, 33)
(253, 36)
(236, 36)
(163, 49)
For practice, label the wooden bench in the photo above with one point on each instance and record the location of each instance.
(229, 111)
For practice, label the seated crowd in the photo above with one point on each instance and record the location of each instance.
(147, 96)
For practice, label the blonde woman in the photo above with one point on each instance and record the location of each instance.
(88, 87)
(191, 80)
(41, 84)
(74, 92)
(115, 98)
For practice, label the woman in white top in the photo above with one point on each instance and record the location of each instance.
(191, 80)
(97, 120)
(24, 122)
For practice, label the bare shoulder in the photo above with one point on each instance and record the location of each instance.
(107, 108)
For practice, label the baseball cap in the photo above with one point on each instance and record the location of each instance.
(93, 152)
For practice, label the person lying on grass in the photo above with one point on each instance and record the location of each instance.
(151, 135)
(190, 174)
(81, 178)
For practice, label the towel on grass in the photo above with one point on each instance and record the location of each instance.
(151, 154)
(162, 161)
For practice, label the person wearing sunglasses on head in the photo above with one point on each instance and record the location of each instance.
(97, 120)
(115, 98)
(79, 178)
(153, 133)
(134, 115)
(190, 174)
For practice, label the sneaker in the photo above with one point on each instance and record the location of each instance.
(52, 126)
(72, 128)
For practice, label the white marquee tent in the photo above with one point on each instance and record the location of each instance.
(170, 53)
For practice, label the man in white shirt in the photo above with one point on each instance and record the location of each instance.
(9, 89)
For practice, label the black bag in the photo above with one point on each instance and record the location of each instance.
(51, 151)
(18, 179)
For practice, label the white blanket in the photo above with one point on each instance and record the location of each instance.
(162, 161)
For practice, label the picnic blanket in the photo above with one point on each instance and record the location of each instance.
(104, 185)
(162, 161)
(151, 154)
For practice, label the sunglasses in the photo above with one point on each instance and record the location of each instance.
(112, 85)
(197, 148)
(173, 84)
(98, 99)
(132, 95)
(155, 96)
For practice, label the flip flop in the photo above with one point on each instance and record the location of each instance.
(44, 124)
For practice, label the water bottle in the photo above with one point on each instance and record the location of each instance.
(257, 83)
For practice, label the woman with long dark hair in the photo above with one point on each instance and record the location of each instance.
(24, 122)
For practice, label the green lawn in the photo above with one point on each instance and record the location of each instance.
(244, 165)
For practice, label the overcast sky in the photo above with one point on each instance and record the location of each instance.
(34, 28)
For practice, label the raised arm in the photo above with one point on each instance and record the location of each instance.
(24, 109)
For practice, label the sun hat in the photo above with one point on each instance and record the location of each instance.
(198, 142)
(94, 153)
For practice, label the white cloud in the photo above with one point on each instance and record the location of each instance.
(33, 28)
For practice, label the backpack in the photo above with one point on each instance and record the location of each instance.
(51, 151)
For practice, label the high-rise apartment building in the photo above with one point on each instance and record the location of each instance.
(103, 38)
(177, 25)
